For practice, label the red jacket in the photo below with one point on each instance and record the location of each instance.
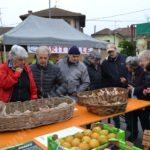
(8, 79)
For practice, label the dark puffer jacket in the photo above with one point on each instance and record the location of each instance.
(112, 70)
(95, 74)
(49, 80)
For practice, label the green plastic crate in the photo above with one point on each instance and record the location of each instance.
(121, 144)
(120, 134)
(52, 144)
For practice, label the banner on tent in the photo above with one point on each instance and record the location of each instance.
(59, 50)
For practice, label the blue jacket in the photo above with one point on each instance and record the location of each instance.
(112, 70)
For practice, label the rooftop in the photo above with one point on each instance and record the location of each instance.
(4, 29)
(57, 13)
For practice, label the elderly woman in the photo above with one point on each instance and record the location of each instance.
(141, 83)
(16, 82)
(135, 80)
(135, 76)
(144, 58)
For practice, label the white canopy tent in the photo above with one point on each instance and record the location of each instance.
(52, 32)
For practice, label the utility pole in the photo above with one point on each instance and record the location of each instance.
(94, 28)
(1, 24)
(148, 19)
(115, 38)
(56, 3)
(49, 9)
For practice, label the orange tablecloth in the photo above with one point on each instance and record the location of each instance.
(80, 117)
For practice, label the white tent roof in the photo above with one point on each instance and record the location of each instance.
(45, 31)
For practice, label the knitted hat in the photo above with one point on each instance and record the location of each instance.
(74, 50)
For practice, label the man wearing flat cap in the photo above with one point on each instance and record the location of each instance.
(92, 61)
(114, 71)
(74, 71)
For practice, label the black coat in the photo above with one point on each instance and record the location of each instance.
(142, 81)
(136, 79)
(112, 70)
(95, 75)
(21, 90)
(146, 83)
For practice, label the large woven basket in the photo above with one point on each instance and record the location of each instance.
(104, 101)
(34, 113)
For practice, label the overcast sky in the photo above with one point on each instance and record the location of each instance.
(102, 9)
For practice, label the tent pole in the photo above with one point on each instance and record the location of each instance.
(1, 51)
(4, 52)
(49, 9)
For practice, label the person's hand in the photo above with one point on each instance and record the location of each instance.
(123, 80)
(130, 87)
(74, 94)
(146, 91)
(19, 69)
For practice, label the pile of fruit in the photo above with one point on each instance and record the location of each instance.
(88, 139)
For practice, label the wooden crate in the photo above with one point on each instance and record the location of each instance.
(146, 140)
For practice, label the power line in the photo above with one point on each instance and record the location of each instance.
(127, 13)
(117, 20)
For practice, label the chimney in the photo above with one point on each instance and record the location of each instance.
(29, 11)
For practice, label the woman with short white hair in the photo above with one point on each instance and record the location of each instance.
(16, 82)
(17, 52)
(135, 80)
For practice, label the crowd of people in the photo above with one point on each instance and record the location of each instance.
(21, 82)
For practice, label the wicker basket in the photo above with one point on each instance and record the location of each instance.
(34, 113)
(104, 101)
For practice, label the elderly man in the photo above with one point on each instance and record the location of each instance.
(74, 71)
(16, 79)
(114, 68)
(92, 61)
(47, 76)
(114, 72)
